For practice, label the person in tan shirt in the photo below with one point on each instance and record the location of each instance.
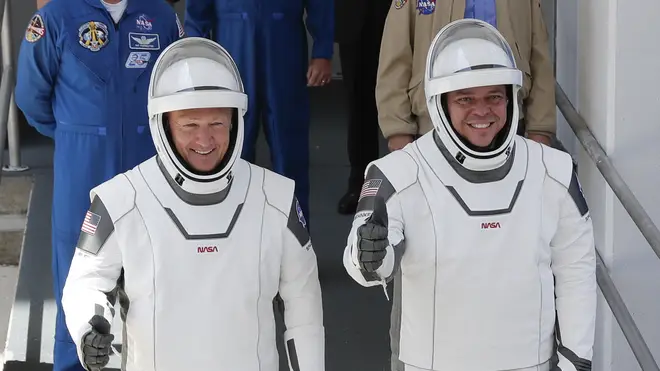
(409, 30)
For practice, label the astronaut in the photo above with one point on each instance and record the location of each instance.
(82, 79)
(196, 242)
(486, 234)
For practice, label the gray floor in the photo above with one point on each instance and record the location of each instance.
(356, 318)
(8, 276)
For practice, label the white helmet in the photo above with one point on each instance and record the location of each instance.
(465, 54)
(192, 73)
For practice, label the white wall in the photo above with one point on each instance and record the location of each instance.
(607, 57)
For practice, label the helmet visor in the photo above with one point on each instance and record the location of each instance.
(470, 46)
(188, 88)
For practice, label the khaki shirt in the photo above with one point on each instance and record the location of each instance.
(407, 38)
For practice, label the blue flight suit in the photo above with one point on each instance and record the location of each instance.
(83, 80)
(268, 41)
(484, 10)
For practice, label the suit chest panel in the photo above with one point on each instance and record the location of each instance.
(182, 263)
(448, 225)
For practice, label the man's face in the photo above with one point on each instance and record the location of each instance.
(201, 136)
(478, 114)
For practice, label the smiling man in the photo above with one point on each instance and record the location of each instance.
(486, 234)
(201, 136)
(196, 229)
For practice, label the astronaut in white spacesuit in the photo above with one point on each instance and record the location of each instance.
(196, 242)
(486, 234)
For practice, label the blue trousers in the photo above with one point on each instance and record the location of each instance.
(271, 55)
(65, 357)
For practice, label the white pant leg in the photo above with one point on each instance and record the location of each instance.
(543, 367)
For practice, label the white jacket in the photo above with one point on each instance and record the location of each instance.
(482, 267)
(199, 280)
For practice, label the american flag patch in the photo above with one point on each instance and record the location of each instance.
(370, 188)
(90, 223)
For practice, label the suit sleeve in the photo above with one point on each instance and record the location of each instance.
(37, 69)
(91, 286)
(376, 179)
(200, 18)
(574, 268)
(541, 113)
(321, 26)
(300, 291)
(395, 71)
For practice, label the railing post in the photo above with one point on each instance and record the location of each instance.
(13, 135)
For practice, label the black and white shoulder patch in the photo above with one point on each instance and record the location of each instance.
(375, 185)
(297, 223)
(575, 190)
(96, 228)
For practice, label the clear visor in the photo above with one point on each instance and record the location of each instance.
(192, 47)
(179, 82)
(469, 53)
(492, 49)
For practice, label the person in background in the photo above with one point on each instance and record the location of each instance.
(82, 78)
(408, 31)
(268, 40)
(358, 31)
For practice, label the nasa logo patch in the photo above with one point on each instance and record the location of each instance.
(138, 60)
(143, 23)
(93, 35)
(426, 7)
(35, 30)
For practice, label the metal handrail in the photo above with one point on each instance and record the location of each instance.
(9, 126)
(6, 87)
(624, 318)
(635, 210)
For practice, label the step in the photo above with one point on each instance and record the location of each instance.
(15, 194)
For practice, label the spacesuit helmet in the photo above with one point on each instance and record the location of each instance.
(195, 73)
(467, 56)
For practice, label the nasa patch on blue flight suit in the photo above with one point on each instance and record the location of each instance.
(138, 60)
(144, 23)
(93, 35)
(143, 41)
(426, 7)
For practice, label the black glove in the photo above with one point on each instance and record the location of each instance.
(96, 344)
(372, 238)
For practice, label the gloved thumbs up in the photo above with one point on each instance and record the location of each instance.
(379, 215)
(372, 238)
(96, 344)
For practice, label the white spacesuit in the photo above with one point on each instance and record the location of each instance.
(491, 249)
(197, 259)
